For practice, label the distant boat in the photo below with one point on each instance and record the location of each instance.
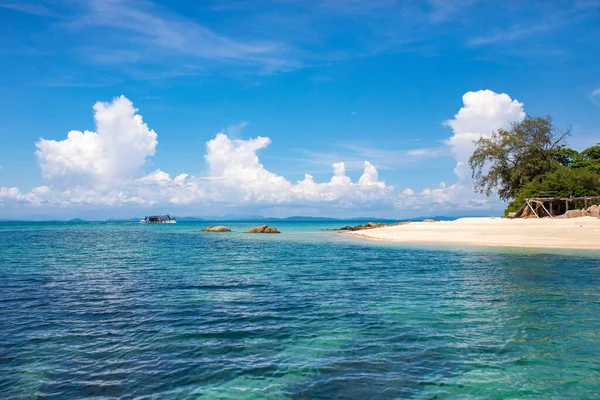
(158, 219)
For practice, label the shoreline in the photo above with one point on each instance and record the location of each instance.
(571, 234)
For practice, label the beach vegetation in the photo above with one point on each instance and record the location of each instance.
(563, 182)
(589, 159)
(530, 159)
(511, 158)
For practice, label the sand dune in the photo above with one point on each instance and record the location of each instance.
(575, 233)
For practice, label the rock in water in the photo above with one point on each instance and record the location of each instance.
(216, 229)
(369, 225)
(263, 229)
(428, 220)
(373, 225)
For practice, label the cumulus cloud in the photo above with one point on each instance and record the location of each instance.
(482, 113)
(105, 167)
(236, 164)
(236, 171)
(15, 195)
(116, 151)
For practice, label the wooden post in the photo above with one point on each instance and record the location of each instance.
(544, 208)
(531, 208)
(551, 211)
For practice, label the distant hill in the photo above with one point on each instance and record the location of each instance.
(299, 218)
(248, 218)
(189, 219)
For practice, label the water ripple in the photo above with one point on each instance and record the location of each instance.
(124, 311)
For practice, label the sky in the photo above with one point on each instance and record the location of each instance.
(122, 108)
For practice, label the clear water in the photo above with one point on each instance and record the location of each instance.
(124, 310)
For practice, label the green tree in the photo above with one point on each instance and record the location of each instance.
(566, 156)
(511, 158)
(589, 159)
(563, 182)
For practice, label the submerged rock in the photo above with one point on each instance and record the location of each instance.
(263, 229)
(216, 229)
(428, 220)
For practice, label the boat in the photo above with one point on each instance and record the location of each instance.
(158, 219)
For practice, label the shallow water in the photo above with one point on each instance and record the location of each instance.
(111, 310)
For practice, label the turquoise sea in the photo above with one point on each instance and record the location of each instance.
(125, 310)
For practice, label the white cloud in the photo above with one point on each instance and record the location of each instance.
(234, 131)
(9, 193)
(235, 169)
(105, 168)
(116, 151)
(14, 195)
(33, 9)
(236, 163)
(510, 34)
(370, 177)
(149, 34)
(483, 112)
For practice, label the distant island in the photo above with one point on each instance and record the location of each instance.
(252, 218)
(551, 190)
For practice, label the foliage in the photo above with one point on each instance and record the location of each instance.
(589, 159)
(512, 158)
(564, 182)
(565, 156)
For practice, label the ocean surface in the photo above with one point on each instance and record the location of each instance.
(125, 310)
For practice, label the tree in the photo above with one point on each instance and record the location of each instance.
(563, 182)
(511, 158)
(566, 156)
(589, 159)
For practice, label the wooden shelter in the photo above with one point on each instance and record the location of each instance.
(552, 206)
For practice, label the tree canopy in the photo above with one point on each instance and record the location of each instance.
(512, 158)
(563, 182)
(530, 159)
(588, 159)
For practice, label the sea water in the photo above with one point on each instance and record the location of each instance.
(125, 310)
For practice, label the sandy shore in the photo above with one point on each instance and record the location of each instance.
(574, 233)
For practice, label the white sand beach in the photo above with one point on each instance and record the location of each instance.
(574, 233)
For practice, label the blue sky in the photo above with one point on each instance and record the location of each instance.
(326, 82)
